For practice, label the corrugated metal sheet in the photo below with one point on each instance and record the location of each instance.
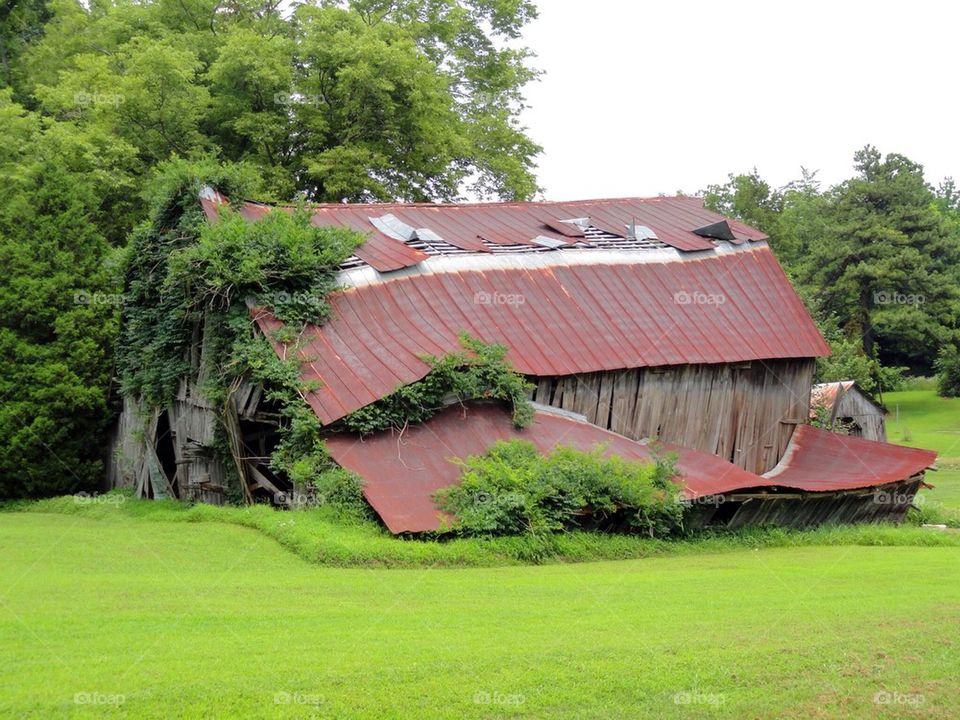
(557, 320)
(467, 225)
(820, 460)
(402, 472)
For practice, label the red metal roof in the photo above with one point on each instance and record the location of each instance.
(402, 472)
(467, 225)
(825, 395)
(818, 460)
(558, 313)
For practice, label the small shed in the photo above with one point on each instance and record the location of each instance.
(845, 407)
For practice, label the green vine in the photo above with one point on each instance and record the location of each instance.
(191, 281)
(481, 372)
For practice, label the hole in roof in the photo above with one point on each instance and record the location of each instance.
(716, 231)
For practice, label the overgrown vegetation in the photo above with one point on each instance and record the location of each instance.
(191, 282)
(481, 372)
(330, 101)
(301, 455)
(513, 489)
(948, 371)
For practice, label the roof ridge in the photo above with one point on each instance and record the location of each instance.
(492, 203)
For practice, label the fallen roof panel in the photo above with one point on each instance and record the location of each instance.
(820, 460)
(402, 471)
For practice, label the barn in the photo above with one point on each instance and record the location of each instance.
(844, 406)
(633, 318)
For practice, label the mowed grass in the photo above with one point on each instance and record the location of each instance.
(164, 619)
(919, 418)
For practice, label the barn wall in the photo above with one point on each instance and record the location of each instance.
(855, 405)
(170, 452)
(745, 412)
(883, 503)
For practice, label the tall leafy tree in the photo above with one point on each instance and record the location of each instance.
(363, 100)
(877, 258)
(58, 308)
(21, 25)
(889, 263)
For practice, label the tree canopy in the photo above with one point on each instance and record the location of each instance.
(877, 257)
(407, 100)
(363, 100)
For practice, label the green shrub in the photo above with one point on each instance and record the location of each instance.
(513, 489)
(919, 383)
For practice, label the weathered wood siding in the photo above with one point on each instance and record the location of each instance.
(744, 413)
(170, 451)
(883, 503)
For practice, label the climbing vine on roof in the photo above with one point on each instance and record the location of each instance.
(184, 274)
(479, 372)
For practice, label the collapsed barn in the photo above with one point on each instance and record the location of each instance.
(634, 319)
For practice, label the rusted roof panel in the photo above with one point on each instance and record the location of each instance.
(379, 251)
(556, 319)
(402, 472)
(820, 460)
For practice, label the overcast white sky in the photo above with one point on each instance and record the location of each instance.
(642, 98)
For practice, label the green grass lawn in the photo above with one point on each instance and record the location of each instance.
(920, 418)
(111, 607)
(204, 619)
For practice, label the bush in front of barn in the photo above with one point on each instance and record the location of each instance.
(513, 489)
